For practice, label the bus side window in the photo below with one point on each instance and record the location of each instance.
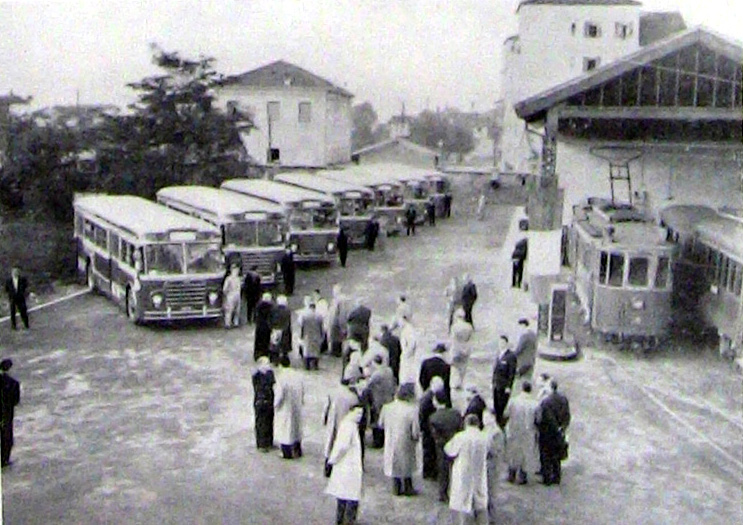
(733, 275)
(603, 267)
(724, 269)
(88, 230)
(114, 244)
(101, 237)
(638, 271)
(738, 284)
(616, 269)
(662, 272)
(712, 257)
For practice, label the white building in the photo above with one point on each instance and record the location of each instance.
(301, 119)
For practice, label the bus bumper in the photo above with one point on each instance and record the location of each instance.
(182, 313)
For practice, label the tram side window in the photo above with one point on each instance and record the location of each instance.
(115, 245)
(89, 230)
(738, 283)
(712, 263)
(733, 272)
(100, 237)
(616, 269)
(603, 267)
(638, 271)
(662, 273)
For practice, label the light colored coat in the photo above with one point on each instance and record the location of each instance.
(461, 335)
(496, 455)
(469, 476)
(409, 364)
(346, 477)
(339, 403)
(312, 333)
(287, 424)
(337, 317)
(522, 448)
(399, 420)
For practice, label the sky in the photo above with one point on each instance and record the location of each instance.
(424, 53)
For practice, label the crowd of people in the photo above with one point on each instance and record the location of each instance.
(406, 396)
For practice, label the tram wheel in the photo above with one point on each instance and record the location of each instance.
(131, 307)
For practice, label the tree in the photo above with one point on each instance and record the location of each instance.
(446, 131)
(175, 134)
(366, 129)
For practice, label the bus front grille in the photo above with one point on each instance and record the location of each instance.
(313, 243)
(265, 263)
(192, 294)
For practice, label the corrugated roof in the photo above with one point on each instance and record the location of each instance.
(284, 74)
(577, 2)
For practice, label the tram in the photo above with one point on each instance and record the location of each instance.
(710, 243)
(621, 264)
(354, 201)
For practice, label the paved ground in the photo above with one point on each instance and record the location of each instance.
(154, 425)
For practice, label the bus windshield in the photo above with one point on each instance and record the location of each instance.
(164, 258)
(270, 234)
(203, 258)
(324, 217)
(351, 207)
(240, 233)
(416, 190)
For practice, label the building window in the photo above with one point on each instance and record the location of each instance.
(623, 31)
(591, 30)
(274, 111)
(305, 112)
(591, 63)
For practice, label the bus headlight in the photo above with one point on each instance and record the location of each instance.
(398, 220)
(295, 248)
(213, 298)
(157, 300)
(331, 246)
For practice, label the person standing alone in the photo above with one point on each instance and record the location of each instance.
(469, 296)
(16, 287)
(410, 218)
(288, 272)
(10, 396)
(342, 247)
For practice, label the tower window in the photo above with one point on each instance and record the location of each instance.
(590, 63)
(622, 31)
(591, 30)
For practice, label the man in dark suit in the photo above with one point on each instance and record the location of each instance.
(358, 324)
(436, 366)
(504, 373)
(252, 291)
(426, 409)
(431, 213)
(444, 423)
(553, 418)
(10, 396)
(16, 286)
(410, 218)
(287, 271)
(517, 259)
(342, 242)
(392, 343)
(469, 296)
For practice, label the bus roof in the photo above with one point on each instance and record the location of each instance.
(722, 233)
(275, 192)
(139, 216)
(324, 185)
(683, 218)
(216, 203)
(405, 173)
(363, 175)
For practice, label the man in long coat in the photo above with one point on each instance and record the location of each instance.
(496, 455)
(408, 355)
(16, 286)
(263, 398)
(381, 387)
(288, 401)
(10, 396)
(262, 343)
(453, 294)
(345, 468)
(526, 351)
(339, 402)
(518, 256)
(338, 315)
(521, 436)
(553, 418)
(358, 324)
(469, 297)
(426, 409)
(436, 366)
(469, 477)
(392, 343)
(399, 420)
(281, 329)
(312, 333)
(461, 347)
(288, 271)
(504, 373)
(444, 424)
(342, 242)
(252, 292)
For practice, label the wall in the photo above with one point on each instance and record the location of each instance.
(671, 177)
(337, 129)
(300, 144)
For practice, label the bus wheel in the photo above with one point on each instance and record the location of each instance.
(89, 277)
(131, 307)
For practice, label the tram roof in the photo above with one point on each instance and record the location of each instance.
(722, 233)
(324, 185)
(221, 204)
(275, 192)
(139, 216)
(683, 218)
(629, 227)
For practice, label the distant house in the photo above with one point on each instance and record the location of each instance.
(301, 119)
(398, 148)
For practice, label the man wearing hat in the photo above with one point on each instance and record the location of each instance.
(10, 396)
(436, 366)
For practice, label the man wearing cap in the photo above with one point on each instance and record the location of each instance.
(10, 396)
(262, 342)
(436, 366)
(399, 420)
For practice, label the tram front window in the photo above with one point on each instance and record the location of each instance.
(616, 269)
(662, 273)
(638, 271)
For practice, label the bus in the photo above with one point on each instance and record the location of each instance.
(253, 230)
(416, 189)
(439, 187)
(354, 202)
(622, 269)
(157, 263)
(388, 201)
(312, 216)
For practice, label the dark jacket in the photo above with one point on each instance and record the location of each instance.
(17, 295)
(504, 371)
(392, 343)
(444, 424)
(252, 286)
(410, 214)
(476, 406)
(560, 407)
(469, 294)
(262, 328)
(10, 396)
(263, 383)
(287, 267)
(435, 366)
(520, 251)
(358, 323)
(342, 241)
(526, 352)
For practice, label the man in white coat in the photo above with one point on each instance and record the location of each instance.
(339, 403)
(288, 401)
(461, 348)
(346, 472)
(469, 477)
(522, 445)
(408, 355)
(399, 420)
